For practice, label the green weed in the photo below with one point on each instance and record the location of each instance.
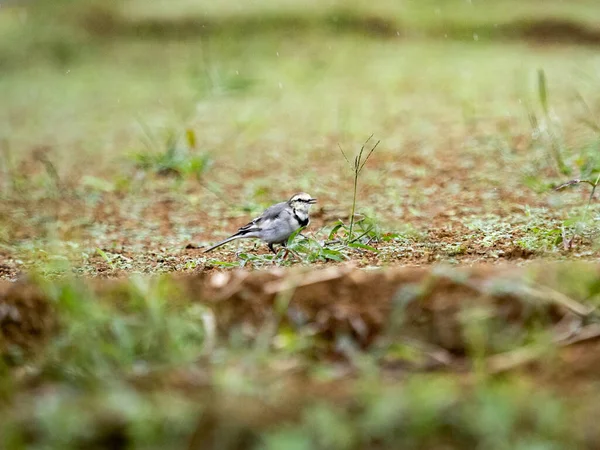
(591, 182)
(357, 165)
(98, 341)
(579, 224)
(310, 250)
(170, 157)
(548, 125)
(432, 412)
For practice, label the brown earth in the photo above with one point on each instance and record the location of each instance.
(344, 298)
(157, 229)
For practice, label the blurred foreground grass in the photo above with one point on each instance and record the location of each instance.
(143, 364)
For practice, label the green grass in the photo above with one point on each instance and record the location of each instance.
(139, 365)
(171, 157)
(426, 103)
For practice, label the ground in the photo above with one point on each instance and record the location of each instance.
(135, 134)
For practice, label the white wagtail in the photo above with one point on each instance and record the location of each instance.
(277, 223)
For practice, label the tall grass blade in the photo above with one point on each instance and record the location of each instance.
(543, 90)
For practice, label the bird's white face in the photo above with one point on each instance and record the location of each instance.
(302, 202)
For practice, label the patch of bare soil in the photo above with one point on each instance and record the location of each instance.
(26, 316)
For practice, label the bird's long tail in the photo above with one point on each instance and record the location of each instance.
(229, 239)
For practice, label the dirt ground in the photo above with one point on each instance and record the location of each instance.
(464, 220)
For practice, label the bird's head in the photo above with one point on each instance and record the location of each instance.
(301, 201)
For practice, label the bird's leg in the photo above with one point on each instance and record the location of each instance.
(271, 248)
(287, 251)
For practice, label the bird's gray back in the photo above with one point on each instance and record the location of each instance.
(274, 226)
(273, 212)
(278, 227)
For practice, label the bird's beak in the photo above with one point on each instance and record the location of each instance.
(312, 201)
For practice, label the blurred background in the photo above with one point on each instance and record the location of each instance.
(83, 77)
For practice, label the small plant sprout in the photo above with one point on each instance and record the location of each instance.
(357, 166)
(594, 184)
(554, 141)
(568, 243)
(174, 155)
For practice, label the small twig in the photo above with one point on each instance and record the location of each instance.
(572, 183)
(519, 357)
(345, 157)
(369, 155)
(307, 279)
(587, 333)
(594, 186)
(567, 244)
(567, 327)
(547, 294)
(511, 360)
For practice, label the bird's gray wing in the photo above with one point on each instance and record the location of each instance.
(270, 214)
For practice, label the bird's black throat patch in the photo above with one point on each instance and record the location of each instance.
(301, 222)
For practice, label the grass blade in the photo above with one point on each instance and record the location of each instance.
(543, 90)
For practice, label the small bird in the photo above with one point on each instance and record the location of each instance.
(277, 223)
